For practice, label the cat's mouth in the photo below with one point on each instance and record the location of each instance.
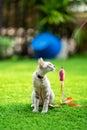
(53, 69)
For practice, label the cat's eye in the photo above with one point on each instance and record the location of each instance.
(49, 65)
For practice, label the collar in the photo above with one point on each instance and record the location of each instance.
(39, 76)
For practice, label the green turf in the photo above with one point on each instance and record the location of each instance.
(15, 96)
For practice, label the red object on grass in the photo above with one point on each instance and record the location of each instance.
(68, 100)
(73, 104)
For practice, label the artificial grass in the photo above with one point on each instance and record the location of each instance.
(15, 96)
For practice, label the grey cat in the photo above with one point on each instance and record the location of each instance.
(42, 94)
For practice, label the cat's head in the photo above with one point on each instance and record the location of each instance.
(45, 66)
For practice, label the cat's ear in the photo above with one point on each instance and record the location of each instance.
(41, 62)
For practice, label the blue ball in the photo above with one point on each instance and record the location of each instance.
(46, 45)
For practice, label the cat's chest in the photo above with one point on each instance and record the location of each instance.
(41, 83)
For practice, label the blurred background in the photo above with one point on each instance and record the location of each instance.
(43, 28)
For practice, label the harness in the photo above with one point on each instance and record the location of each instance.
(39, 76)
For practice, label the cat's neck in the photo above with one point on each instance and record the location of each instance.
(40, 72)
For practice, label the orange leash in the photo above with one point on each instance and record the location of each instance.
(41, 93)
(68, 102)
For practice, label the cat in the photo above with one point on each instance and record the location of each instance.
(42, 94)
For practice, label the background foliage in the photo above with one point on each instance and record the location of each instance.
(22, 12)
(43, 15)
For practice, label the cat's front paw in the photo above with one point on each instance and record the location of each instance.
(44, 111)
(32, 105)
(34, 110)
